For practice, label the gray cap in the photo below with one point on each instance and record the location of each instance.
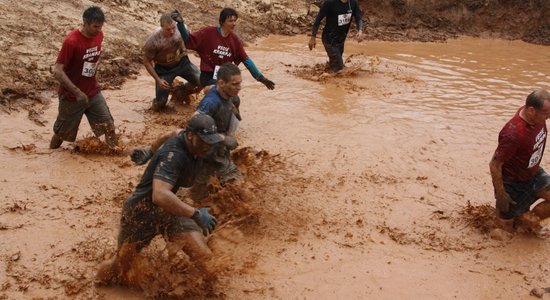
(205, 127)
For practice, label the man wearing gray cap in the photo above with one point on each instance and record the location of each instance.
(155, 209)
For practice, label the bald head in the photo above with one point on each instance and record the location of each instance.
(536, 99)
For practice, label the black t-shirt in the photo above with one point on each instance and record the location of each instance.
(171, 163)
(338, 19)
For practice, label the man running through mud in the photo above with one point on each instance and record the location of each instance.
(217, 45)
(222, 104)
(155, 209)
(518, 179)
(165, 58)
(79, 92)
(338, 15)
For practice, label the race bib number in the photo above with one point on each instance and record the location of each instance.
(88, 70)
(535, 158)
(344, 19)
(216, 69)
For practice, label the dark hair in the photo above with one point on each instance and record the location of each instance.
(536, 99)
(226, 13)
(228, 70)
(93, 14)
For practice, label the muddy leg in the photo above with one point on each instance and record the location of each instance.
(116, 269)
(111, 138)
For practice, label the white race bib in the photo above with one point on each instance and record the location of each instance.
(216, 69)
(88, 70)
(344, 19)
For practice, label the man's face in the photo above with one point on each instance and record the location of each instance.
(91, 29)
(541, 115)
(231, 87)
(197, 146)
(230, 23)
(168, 29)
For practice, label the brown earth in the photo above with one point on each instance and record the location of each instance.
(33, 31)
(394, 213)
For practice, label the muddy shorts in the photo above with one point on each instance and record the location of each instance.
(207, 78)
(185, 69)
(142, 220)
(525, 193)
(335, 51)
(70, 114)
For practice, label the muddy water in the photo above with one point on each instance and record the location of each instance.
(380, 150)
(458, 75)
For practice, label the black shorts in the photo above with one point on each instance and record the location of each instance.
(525, 193)
(142, 220)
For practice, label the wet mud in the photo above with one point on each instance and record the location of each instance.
(353, 181)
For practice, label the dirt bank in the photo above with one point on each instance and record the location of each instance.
(33, 31)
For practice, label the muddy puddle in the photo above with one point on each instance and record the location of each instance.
(369, 185)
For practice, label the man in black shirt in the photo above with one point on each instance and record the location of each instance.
(155, 209)
(338, 15)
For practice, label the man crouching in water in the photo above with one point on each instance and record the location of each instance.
(155, 209)
(518, 178)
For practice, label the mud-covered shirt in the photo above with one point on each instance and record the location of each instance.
(219, 108)
(214, 49)
(338, 19)
(172, 163)
(520, 148)
(79, 56)
(164, 50)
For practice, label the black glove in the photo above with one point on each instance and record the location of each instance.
(141, 156)
(205, 220)
(176, 16)
(268, 83)
(230, 142)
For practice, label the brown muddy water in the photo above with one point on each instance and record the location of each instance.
(379, 166)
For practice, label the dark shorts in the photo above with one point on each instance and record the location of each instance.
(70, 114)
(335, 52)
(525, 193)
(142, 220)
(185, 69)
(207, 78)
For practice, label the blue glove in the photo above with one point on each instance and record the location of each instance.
(141, 156)
(205, 220)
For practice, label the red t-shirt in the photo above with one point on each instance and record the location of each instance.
(214, 49)
(79, 56)
(520, 148)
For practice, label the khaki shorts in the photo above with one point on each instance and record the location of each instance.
(70, 114)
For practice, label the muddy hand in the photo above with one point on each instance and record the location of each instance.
(268, 83)
(141, 156)
(230, 142)
(503, 202)
(359, 36)
(176, 16)
(311, 43)
(80, 96)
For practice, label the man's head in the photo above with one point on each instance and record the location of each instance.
(201, 134)
(537, 107)
(229, 80)
(228, 18)
(167, 25)
(92, 21)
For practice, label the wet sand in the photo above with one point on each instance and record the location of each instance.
(362, 190)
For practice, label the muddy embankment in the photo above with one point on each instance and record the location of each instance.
(29, 50)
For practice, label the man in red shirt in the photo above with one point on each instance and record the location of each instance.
(79, 93)
(517, 177)
(217, 45)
